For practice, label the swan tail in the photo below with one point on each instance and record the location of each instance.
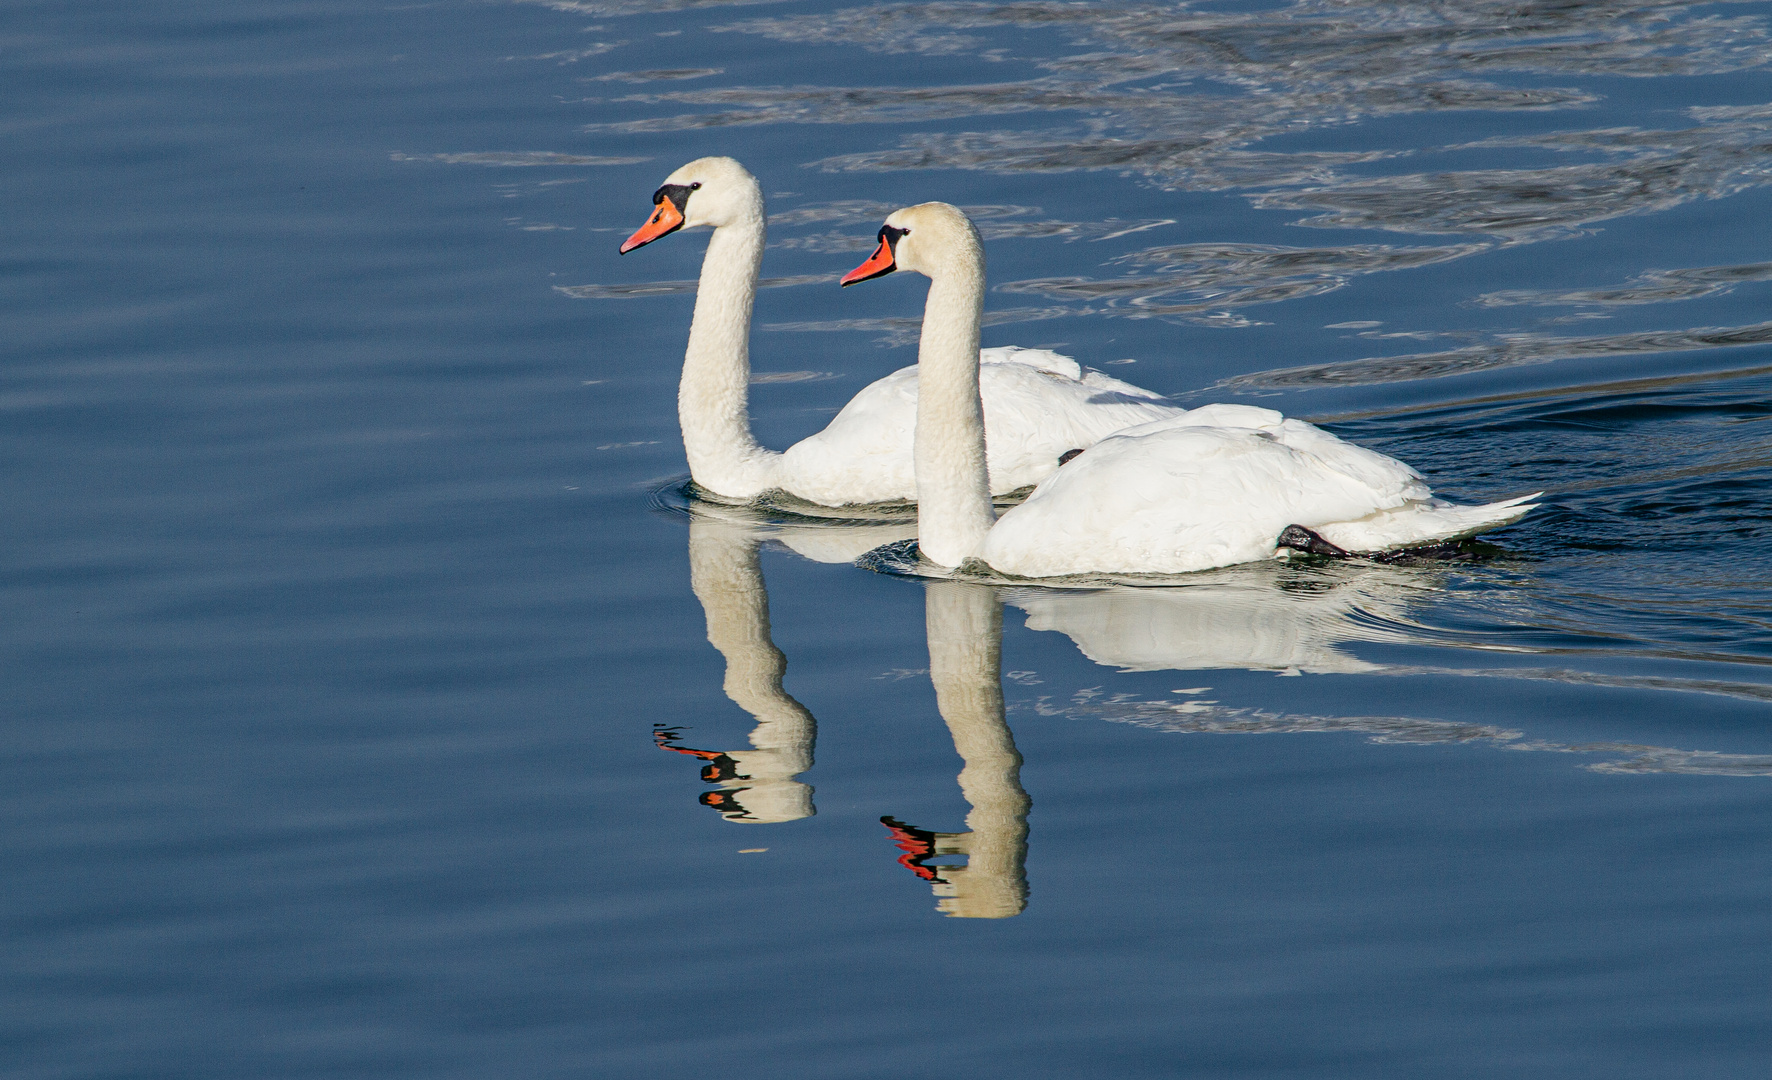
(1431, 522)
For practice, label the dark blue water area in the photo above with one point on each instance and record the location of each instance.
(354, 604)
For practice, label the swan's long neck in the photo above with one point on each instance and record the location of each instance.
(713, 400)
(954, 511)
(965, 626)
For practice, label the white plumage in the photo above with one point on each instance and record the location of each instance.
(1038, 404)
(1178, 495)
(1210, 487)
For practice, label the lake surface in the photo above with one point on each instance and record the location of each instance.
(355, 606)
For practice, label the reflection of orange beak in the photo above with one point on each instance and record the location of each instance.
(664, 219)
(917, 845)
(878, 264)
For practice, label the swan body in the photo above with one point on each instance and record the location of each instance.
(1210, 487)
(1037, 403)
(1181, 495)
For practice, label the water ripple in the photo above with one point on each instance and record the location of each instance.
(1659, 170)
(658, 75)
(1307, 65)
(1506, 350)
(1216, 276)
(1200, 100)
(1193, 716)
(1649, 287)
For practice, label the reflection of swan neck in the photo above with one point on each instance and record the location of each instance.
(728, 580)
(713, 399)
(954, 512)
(965, 625)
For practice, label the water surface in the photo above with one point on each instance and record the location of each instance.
(356, 608)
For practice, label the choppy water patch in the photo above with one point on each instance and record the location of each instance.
(1302, 66)
(1146, 98)
(1185, 99)
(1314, 39)
(1652, 541)
(1653, 171)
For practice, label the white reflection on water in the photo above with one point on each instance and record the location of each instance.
(964, 624)
(759, 785)
(1284, 618)
(1271, 619)
(755, 785)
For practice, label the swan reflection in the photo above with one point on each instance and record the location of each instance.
(965, 628)
(755, 785)
(1276, 617)
(1286, 618)
(965, 632)
(758, 785)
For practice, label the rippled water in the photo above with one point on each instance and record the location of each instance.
(379, 701)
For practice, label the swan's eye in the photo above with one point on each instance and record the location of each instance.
(695, 186)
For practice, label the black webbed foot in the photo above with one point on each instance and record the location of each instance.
(1068, 455)
(1299, 538)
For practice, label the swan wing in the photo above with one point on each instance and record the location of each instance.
(1037, 405)
(1183, 495)
(1032, 415)
(1418, 519)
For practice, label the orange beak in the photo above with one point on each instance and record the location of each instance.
(664, 219)
(879, 264)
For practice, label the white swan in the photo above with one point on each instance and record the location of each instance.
(1211, 487)
(1038, 404)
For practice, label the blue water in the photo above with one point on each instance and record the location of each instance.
(353, 600)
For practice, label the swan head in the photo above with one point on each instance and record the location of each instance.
(931, 239)
(712, 191)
